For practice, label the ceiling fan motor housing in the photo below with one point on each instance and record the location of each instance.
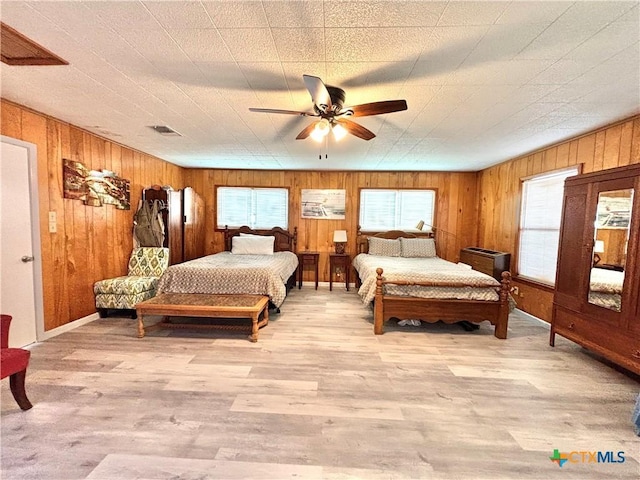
(337, 96)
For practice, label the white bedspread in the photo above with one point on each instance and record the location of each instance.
(605, 288)
(606, 281)
(474, 285)
(226, 273)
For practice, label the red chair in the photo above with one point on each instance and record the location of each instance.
(13, 364)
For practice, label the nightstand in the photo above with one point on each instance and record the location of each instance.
(339, 260)
(307, 258)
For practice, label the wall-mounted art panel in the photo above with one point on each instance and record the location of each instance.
(323, 204)
(95, 187)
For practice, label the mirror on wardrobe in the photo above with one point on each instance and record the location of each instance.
(611, 236)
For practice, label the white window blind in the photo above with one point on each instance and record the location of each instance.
(382, 209)
(540, 218)
(259, 208)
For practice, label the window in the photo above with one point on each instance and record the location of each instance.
(540, 225)
(259, 208)
(382, 210)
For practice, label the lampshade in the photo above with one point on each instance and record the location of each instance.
(339, 132)
(599, 246)
(339, 236)
(420, 225)
(320, 130)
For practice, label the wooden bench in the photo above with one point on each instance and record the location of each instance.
(205, 305)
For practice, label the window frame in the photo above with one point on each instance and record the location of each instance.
(516, 268)
(216, 228)
(398, 189)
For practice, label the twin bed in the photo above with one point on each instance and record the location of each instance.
(398, 271)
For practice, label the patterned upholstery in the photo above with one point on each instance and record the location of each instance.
(148, 261)
(129, 285)
(418, 247)
(122, 302)
(385, 247)
(146, 265)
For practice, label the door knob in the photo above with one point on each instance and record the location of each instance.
(27, 259)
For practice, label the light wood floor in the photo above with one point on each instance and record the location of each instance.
(319, 396)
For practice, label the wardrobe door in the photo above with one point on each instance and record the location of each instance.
(174, 227)
(194, 224)
(572, 258)
(633, 263)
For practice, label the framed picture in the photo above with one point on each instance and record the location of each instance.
(93, 187)
(614, 209)
(323, 204)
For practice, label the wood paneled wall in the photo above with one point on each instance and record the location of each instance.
(499, 192)
(456, 209)
(91, 243)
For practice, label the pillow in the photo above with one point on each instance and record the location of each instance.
(258, 245)
(251, 235)
(384, 247)
(418, 247)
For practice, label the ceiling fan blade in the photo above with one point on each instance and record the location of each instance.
(356, 129)
(306, 132)
(378, 108)
(319, 93)
(286, 112)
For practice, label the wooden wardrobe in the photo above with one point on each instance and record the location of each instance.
(597, 294)
(184, 222)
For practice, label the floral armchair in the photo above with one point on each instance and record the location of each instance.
(146, 265)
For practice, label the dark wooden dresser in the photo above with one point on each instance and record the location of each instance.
(486, 261)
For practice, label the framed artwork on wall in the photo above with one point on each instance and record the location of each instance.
(323, 204)
(95, 187)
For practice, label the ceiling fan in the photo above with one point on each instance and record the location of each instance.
(328, 106)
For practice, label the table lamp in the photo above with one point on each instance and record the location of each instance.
(597, 248)
(340, 239)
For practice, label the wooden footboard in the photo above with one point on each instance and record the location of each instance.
(449, 311)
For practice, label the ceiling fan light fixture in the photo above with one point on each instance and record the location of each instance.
(321, 130)
(328, 107)
(339, 132)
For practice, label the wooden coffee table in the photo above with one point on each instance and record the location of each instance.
(205, 305)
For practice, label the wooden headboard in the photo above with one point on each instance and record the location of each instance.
(362, 240)
(285, 241)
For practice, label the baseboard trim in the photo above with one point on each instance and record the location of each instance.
(533, 317)
(54, 332)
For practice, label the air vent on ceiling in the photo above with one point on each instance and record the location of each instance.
(16, 49)
(164, 130)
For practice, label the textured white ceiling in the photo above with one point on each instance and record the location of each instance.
(484, 81)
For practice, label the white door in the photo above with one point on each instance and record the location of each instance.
(17, 288)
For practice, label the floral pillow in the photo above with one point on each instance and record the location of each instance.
(418, 247)
(384, 247)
